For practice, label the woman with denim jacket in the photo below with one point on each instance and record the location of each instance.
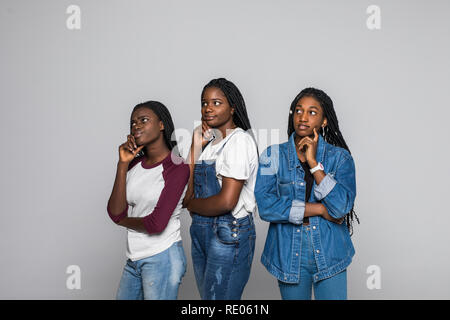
(220, 195)
(306, 189)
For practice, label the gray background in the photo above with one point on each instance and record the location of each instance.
(66, 97)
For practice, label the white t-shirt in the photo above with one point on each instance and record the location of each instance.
(154, 193)
(236, 157)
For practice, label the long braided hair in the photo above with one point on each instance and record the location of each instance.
(330, 133)
(163, 115)
(235, 100)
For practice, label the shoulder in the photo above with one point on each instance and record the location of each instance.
(241, 141)
(338, 151)
(273, 152)
(241, 137)
(340, 155)
(175, 165)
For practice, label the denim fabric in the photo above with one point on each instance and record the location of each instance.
(222, 246)
(154, 278)
(280, 195)
(334, 288)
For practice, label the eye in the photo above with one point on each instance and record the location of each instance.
(313, 113)
(298, 111)
(145, 120)
(133, 123)
(216, 103)
(204, 104)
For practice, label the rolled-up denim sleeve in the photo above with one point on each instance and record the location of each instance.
(324, 188)
(297, 212)
(338, 194)
(272, 206)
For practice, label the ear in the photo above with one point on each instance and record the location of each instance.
(324, 123)
(161, 126)
(232, 111)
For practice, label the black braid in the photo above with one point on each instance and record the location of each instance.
(330, 133)
(163, 114)
(235, 100)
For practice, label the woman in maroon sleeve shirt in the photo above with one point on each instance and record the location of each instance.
(150, 181)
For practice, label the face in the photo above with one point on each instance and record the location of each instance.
(216, 111)
(145, 126)
(308, 114)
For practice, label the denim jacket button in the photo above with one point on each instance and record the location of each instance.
(318, 251)
(298, 230)
(314, 227)
(302, 184)
(234, 222)
(234, 235)
(296, 254)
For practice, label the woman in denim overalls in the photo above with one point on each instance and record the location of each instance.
(222, 230)
(306, 189)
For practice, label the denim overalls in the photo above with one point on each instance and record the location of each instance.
(222, 247)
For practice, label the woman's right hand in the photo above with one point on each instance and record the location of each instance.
(129, 150)
(202, 134)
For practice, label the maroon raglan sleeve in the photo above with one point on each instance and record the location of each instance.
(175, 180)
(123, 214)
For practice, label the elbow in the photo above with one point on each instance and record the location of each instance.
(340, 212)
(229, 204)
(153, 227)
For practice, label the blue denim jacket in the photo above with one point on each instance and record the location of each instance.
(280, 194)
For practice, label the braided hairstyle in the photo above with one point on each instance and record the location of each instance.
(235, 100)
(163, 115)
(330, 133)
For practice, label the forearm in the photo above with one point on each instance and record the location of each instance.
(136, 224)
(319, 174)
(118, 199)
(209, 207)
(314, 209)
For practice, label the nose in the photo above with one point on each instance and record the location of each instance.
(208, 107)
(304, 117)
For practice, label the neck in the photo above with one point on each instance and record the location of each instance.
(227, 126)
(156, 151)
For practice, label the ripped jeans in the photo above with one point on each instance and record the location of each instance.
(222, 254)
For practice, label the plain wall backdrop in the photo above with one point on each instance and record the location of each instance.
(66, 98)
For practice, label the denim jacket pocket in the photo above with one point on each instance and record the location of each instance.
(286, 189)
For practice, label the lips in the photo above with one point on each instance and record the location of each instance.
(137, 134)
(209, 118)
(302, 127)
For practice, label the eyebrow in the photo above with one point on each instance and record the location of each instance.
(140, 118)
(300, 106)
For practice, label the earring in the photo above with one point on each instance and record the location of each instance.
(290, 111)
(323, 131)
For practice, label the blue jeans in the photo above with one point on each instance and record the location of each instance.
(334, 288)
(222, 254)
(154, 278)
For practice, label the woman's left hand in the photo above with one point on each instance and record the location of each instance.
(311, 148)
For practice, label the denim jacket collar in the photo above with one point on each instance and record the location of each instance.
(293, 159)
